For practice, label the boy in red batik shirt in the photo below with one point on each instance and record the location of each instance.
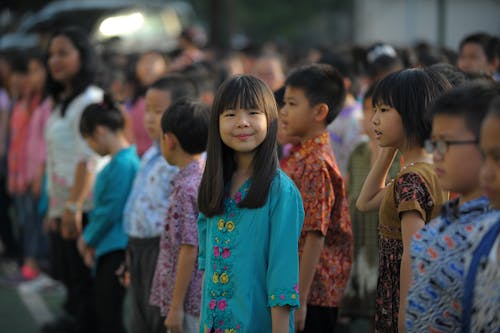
(314, 96)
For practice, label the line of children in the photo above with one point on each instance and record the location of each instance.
(103, 240)
(414, 197)
(144, 214)
(438, 250)
(251, 216)
(176, 286)
(314, 96)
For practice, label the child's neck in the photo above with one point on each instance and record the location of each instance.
(314, 131)
(415, 155)
(470, 195)
(184, 159)
(119, 142)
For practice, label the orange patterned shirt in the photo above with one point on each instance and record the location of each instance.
(314, 170)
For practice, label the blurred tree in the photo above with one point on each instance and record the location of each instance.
(262, 20)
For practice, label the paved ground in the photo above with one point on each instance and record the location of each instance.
(25, 306)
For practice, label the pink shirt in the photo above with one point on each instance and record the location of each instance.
(141, 138)
(35, 143)
(19, 121)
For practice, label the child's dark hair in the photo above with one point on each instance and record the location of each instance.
(188, 121)
(239, 92)
(178, 85)
(369, 92)
(88, 65)
(410, 92)
(321, 83)
(469, 102)
(279, 96)
(494, 109)
(104, 114)
(484, 40)
(452, 73)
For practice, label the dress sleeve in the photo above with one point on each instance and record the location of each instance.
(318, 197)
(286, 216)
(202, 239)
(412, 193)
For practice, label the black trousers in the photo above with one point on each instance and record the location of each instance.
(68, 267)
(143, 254)
(109, 293)
(6, 230)
(320, 319)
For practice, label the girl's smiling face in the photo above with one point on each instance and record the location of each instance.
(243, 130)
(490, 170)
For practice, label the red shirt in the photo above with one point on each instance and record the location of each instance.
(313, 168)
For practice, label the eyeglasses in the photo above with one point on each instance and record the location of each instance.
(441, 146)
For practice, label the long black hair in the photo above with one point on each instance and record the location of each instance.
(239, 92)
(88, 67)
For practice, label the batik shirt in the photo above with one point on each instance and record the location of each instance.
(147, 204)
(312, 167)
(180, 229)
(437, 253)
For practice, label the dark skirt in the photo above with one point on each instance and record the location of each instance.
(387, 303)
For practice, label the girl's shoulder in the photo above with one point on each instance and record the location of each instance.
(282, 183)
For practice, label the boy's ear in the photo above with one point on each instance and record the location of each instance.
(320, 111)
(170, 140)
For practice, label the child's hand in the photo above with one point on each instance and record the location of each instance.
(174, 320)
(123, 275)
(300, 318)
(36, 187)
(49, 225)
(89, 257)
(71, 224)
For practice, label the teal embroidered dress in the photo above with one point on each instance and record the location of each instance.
(250, 259)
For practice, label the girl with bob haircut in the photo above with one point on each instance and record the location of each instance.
(251, 217)
(414, 197)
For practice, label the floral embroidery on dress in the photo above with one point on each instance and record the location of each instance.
(220, 318)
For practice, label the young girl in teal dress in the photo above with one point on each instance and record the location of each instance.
(251, 217)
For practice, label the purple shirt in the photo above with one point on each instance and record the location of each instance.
(180, 229)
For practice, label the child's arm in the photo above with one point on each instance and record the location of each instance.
(411, 222)
(185, 266)
(109, 202)
(374, 188)
(308, 262)
(280, 316)
(71, 220)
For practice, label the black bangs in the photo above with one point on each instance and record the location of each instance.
(241, 93)
(384, 90)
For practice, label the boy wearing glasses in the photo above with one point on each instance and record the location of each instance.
(437, 251)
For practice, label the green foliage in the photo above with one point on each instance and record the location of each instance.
(262, 20)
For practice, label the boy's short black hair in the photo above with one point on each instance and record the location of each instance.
(179, 86)
(321, 83)
(470, 102)
(486, 41)
(188, 121)
(279, 96)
